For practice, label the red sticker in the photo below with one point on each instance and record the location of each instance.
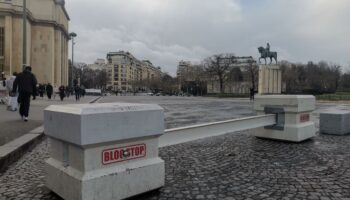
(123, 153)
(304, 118)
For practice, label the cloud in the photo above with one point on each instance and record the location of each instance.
(167, 31)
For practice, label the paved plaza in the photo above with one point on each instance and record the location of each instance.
(231, 166)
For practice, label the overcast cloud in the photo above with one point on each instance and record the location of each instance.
(167, 31)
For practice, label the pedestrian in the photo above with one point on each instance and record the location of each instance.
(25, 82)
(12, 104)
(62, 92)
(49, 90)
(41, 90)
(55, 91)
(77, 92)
(252, 93)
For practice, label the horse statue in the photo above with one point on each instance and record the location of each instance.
(264, 53)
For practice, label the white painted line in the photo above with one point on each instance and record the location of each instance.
(195, 132)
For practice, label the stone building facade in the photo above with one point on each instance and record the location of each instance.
(47, 39)
(238, 77)
(127, 73)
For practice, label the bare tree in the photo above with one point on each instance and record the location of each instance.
(218, 65)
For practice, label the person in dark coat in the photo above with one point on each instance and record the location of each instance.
(252, 93)
(41, 90)
(25, 82)
(49, 90)
(77, 93)
(62, 92)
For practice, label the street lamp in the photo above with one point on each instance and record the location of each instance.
(72, 35)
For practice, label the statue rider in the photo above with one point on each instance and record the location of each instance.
(267, 48)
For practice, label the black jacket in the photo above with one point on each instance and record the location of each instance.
(26, 82)
(49, 89)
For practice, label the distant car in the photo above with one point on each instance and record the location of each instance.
(158, 94)
(150, 94)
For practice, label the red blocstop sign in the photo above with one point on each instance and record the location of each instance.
(123, 153)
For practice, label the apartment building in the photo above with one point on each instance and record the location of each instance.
(127, 73)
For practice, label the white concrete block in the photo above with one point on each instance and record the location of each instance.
(113, 183)
(297, 125)
(290, 103)
(104, 151)
(86, 124)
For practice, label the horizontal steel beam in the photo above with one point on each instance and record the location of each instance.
(195, 132)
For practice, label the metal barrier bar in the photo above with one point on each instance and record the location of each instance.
(190, 133)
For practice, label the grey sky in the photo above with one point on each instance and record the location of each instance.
(167, 31)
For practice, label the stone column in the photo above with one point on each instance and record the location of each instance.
(8, 46)
(270, 79)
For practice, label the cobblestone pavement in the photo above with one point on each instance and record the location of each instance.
(232, 166)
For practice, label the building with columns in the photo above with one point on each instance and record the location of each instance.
(46, 39)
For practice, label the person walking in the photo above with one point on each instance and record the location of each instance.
(49, 90)
(25, 82)
(252, 93)
(41, 90)
(77, 93)
(12, 100)
(62, 92)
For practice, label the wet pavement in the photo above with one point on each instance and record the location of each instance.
(183, 111)
(11, 125)
(231, 166)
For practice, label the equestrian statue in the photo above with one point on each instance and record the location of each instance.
(266, 53)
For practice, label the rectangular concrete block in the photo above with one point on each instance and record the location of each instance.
(104, 151)
(335, 122)
(114, 183)
(290, 103)
(87, 124)
(294, 121)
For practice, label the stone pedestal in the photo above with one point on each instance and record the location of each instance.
(103, 151)
(270, 79)
(293, 116)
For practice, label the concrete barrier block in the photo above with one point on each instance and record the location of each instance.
(104, 151)
(335, 122)
(86, 124)
(296, 113)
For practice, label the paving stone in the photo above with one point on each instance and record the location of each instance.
(231, 166)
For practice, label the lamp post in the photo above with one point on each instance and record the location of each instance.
(72, 35)
(24, 62)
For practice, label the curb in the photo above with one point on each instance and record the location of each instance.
(14, 150)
